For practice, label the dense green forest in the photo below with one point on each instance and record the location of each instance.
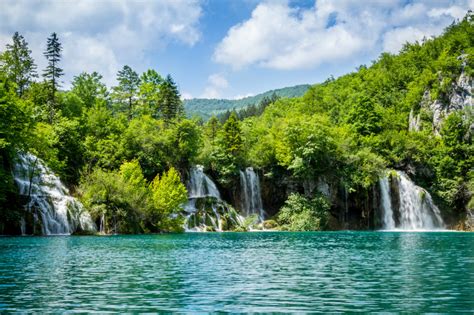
(205, 108)
(126, 151)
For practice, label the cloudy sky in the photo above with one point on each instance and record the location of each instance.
(225, 48)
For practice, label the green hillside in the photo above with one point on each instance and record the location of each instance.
(206, 107)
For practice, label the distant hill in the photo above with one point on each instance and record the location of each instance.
(205, 108)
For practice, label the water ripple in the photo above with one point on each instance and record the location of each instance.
(240, 272)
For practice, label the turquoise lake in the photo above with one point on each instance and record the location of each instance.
(240, 272)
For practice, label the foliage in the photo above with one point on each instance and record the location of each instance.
(302, 214)
(89, 88)
(127, 203)
(205, 108)
(126, 91)
(170, 100)
(348, 130)
(168, 194)
(17, 63)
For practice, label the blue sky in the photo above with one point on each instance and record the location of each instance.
(225, 48)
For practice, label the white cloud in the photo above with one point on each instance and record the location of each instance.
(280, 36)
(215, 84)
(241, 96)
(101, 35)
(186, 96)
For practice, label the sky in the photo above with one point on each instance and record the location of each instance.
(224, 48)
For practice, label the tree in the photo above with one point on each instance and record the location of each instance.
(364, 116)
(302, 214)
(150, 92)
(89, 88)
(212, 127)
(231, 135)
(168, 194)
(18, 64)
(14, 120)
(52, 73)
(170, 100)
(127, 89)
(226, 156)
(187, 143)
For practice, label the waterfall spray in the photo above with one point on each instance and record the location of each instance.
(48, 199)
(250, 197)
(416, 210)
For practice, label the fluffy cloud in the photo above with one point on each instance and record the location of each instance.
(280, 36)
(101, 35)
(216, 83)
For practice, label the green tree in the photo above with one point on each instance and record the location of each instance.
(18, 65)
(170, 100)
(364, 117)
(169, 195)
(126, 91)
(231, 136)
(302, 214)
(14, 120)
(212, 128)
(187, 142)
(149, 93)
(89, 88)
(53, 73)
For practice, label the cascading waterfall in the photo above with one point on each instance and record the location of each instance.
(48, 200)
(205, 210)
(251, 198)
(200, 185)
(415, 209)
(388, 222)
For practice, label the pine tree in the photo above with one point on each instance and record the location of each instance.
(17, 63)
(127, 89)
(232, 135)
(52, 73)
(170, 100)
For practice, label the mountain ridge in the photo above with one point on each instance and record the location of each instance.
(205, 107)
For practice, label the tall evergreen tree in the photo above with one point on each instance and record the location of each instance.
(170, 99)
(126, 91)
(18, 65)
(232, 135)
(52, 73)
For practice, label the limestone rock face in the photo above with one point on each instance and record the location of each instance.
(469, 223)
(459, 98)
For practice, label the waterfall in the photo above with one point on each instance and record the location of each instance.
(250, 197)
(205, 210)
(415, 209)
(200, 185)
(48, 200)
(386, 202)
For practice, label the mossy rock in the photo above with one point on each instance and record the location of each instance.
(270, 224)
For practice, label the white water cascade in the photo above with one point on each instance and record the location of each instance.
(251, 198)
(205, 209)
(387, 219)
(200, 185)
(415, 209)
(48, 200)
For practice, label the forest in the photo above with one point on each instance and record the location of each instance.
(205, 108)
(126, 151)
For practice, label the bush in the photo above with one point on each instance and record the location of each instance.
(302, 214)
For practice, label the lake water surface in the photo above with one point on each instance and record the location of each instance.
(240, 272)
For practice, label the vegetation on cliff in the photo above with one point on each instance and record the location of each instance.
(127, 150)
